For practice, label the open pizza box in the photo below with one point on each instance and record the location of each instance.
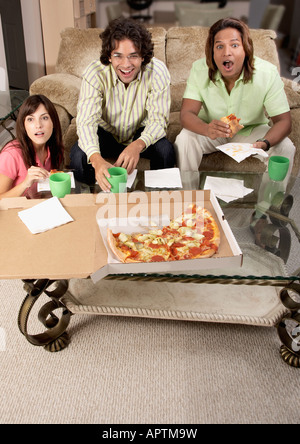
(78, 249)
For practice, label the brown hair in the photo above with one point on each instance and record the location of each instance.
(55, 143)
(247, 45)
(126, 28)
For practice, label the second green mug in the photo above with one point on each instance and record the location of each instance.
(60, 184)
(278, 167)
(117, 179)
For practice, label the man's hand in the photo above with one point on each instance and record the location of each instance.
(261, 145)
(217, 128)
(130, 155)
(101, 171)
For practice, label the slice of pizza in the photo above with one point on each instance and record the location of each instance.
(200, 233)
(193, 235)
(55, 171)
(234, 123)
(139, 247)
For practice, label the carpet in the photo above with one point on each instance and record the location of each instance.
(125, 370)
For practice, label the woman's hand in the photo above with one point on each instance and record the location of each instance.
(35, 174)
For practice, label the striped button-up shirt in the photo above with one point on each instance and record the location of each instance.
(104, 101)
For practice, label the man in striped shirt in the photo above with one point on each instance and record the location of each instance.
(123, 108)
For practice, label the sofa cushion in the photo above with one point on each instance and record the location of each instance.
(174, 126)
(292, 91)
(79, 47)
(294, 136)
(221, 162)
(60, 88)
(184, 46)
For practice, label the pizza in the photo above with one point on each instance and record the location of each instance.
(192, 235)
(55, 171)
(233, 122)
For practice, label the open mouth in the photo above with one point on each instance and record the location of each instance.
(228, 64)
(39, 134)
(126, 72)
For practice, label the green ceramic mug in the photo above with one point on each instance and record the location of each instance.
(60, 184)
(278, 167)
(117, 179)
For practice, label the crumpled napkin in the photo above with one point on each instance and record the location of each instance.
(45, 216)
(240, 151)
(226, 189)
(164, 178)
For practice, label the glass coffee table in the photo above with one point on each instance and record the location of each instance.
(10, 102)
(265, 291)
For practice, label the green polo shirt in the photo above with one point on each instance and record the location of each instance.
(248, 101)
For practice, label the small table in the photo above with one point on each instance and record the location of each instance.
(10, 102)
(269, 278)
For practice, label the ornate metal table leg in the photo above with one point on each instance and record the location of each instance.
(289, 326)
(55, 338)
(274, 237)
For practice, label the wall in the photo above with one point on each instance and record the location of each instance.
(33, 39)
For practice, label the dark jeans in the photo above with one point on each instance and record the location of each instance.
(161, 155)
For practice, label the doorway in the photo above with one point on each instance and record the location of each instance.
(14, 44)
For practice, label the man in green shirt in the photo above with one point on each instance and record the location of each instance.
(232, 81)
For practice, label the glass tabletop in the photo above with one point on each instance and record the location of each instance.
(11, 101)
(265, 223)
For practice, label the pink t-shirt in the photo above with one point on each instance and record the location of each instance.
(12, 163)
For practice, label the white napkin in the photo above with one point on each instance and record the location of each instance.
(45, 216)
(240, 151)
(130, 178)
(44, 185)
(165, 178)
(226, 189)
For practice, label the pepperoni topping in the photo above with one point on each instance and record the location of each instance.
(157, 258)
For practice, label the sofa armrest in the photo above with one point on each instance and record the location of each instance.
(61, 88)
(292, 90)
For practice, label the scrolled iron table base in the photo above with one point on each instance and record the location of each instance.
(289, 326)
(55, 338)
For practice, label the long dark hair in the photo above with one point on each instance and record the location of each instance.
(247, 45)
(55, 142)
(126, 28)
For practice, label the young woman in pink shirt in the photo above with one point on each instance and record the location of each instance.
(37, 149)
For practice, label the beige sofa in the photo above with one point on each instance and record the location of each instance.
(178, 47)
